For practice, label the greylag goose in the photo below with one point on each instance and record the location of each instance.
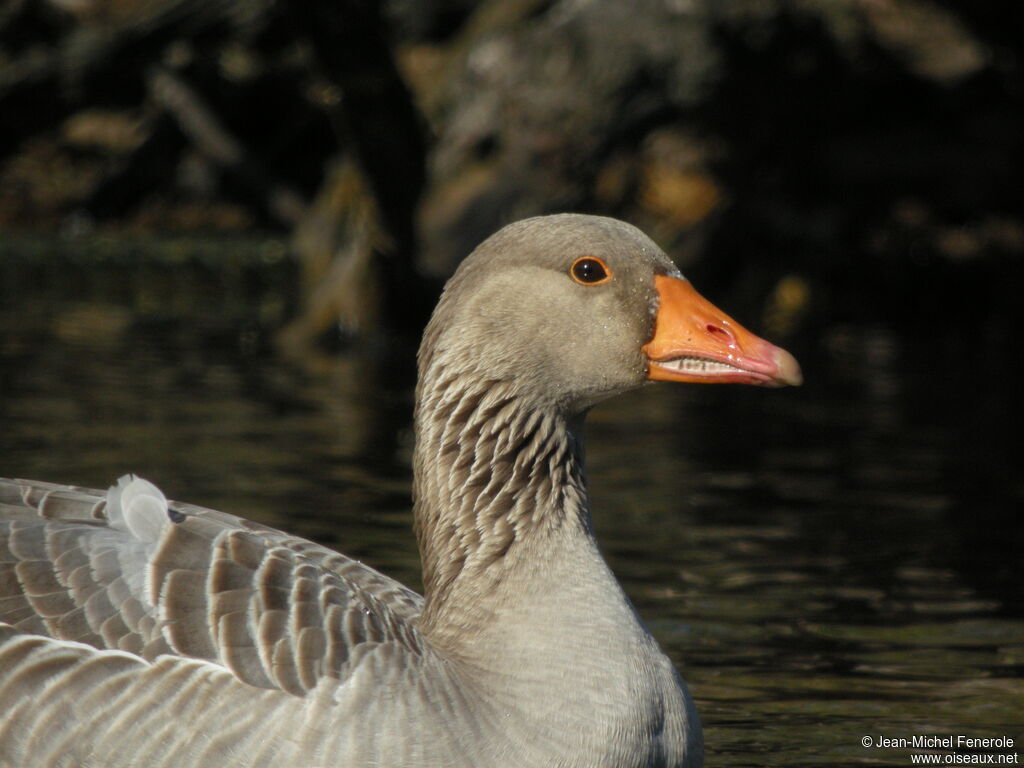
(140, 632)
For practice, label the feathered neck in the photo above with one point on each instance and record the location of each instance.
(496, 477)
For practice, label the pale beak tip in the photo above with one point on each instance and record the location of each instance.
(787, 369)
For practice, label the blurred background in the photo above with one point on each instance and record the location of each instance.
(223, 224)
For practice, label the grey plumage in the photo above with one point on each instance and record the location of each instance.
(104, 623)
(137, 632)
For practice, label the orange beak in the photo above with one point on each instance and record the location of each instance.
(695, 341)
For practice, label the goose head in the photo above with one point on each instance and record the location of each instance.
(570, 309)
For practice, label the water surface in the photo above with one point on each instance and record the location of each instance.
(823, 564)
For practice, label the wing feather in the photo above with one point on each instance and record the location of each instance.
(278, 611)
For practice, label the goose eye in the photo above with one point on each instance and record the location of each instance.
(590, 270)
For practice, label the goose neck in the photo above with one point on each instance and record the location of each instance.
(499, 493)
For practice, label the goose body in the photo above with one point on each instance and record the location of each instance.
(138, 632)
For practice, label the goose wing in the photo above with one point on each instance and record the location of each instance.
(126, 570)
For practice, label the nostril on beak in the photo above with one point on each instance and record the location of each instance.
(723, 333)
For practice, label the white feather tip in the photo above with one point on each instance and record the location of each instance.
(137, 506)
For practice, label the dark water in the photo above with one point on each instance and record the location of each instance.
(837, 561)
